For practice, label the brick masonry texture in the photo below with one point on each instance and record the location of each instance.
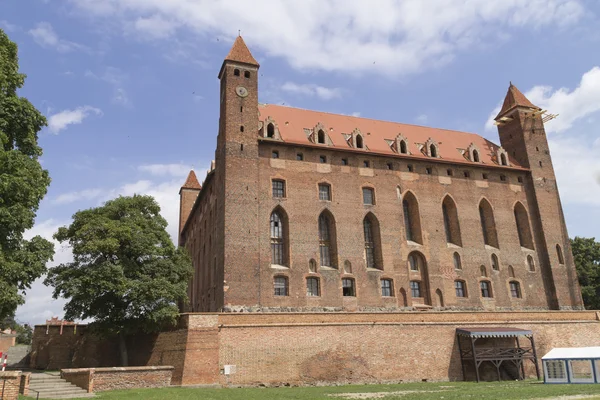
(102, 379)
(10, 383)
(225, 225)
(6, 341)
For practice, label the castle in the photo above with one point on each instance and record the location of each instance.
(305, 210)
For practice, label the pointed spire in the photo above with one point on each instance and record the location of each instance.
(514, 98)
(239, 52)
(191, 182)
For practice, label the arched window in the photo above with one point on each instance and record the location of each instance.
(433, 150)
(503, 159)
(559, 253)
(403, 297)
(327, 245)
(475, 156)
(530, 263)
(451, 224)
(511, 271)
(270, 130)
(347, 267)
(482, 271)
(321, 136)
(414, 262)
(399, 192)
(236, 72)
(457, 261)
(488, 224)
(372, 242)
(412, 219)
(495, 263)
(278, 238)
(359, 142)
(403, 147)
(523, 228)
(418, 272)
(312, 265)
(246, 74)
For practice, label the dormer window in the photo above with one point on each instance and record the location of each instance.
(502, 157)
(270, 130)
(359, 142)
(403, 147)
(431, 148)
(475, 156)
(400, 145)
(472, 153)
(321, 137)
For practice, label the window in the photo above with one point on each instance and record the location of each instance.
(433, 151)
(503, 178)
(559, 253)
(322, 159)
(412, 219)
(369, 243)
(523, 228)
(278, 188)
(555, 371)
(581, 371)
(415, 289)
(278, 239)
(274, 154)
(403, 147)
(503, 159)
(387, 288)
(327, 240)
(389, 166)
(270, 130)
(246, 74)
(520, 179)
(366, 164)
(428, 170)
(344, 161)
(460, 288)
(312, 265)
(299, 157)
(484, 176)
(348, 287)
(281, 286)
(488, 224)
(531, 263)
(541, 164)
(475, 156)
(457, 261)
(451, 224)
(515, 290)
(324, 192)
(368, 196)
(467, 174)
(414, 262)
(410, 168)
(312, 287)
(347, 267)
(483, 271)
(241, 128)
(486, 290)
(511, 271)
(321, 137)
(449, 172)
(495, 264)
(236, 72)
(359, 142)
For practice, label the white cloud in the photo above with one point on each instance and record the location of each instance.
(311, 90)
(71, 197)
(44, 35)
(177, 170)
(59, 121)
(394, 38)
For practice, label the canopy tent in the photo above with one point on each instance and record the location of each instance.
(572, 365)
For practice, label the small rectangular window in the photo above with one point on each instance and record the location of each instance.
(410, 168)
(322, 159)
(515, 290)
(520, 179)
(389, 166)
(459, 286)
(484, 176)
(485, 289)
(281, 286)
(300, 157)
(366, 164)
(415, 289)
(324, 192)
(449, 172)
(467, 174)
(428, 170)
(274, 154)
(348, 287)
(312, 287)
(387, 288)
(368, 196)
(503, 178)
(344, 161)
(278, 188)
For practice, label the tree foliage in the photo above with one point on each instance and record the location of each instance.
(23, 184)
(24, 331)
(586, 252)
(126, 274)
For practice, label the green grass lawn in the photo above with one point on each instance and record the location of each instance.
(407, 391)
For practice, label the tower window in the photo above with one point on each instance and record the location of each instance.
(387, 288)
(236, 72)
(278, 188)
(541, 164)
(241, 128)
(246, 74)
(515, 289)
(270, 130)
(348, 287)
(368, 196)
(559, 253)
(312, 287)
(281, 286)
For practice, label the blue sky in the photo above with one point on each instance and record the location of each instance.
(130, 87)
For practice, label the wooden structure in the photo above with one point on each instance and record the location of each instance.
(497, 353)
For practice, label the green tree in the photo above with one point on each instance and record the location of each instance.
(127, 276)
(24, 331)
(23, 184)
(587, 261)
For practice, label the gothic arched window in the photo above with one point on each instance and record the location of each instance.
(278, 224)
(523, 228)
(451, 224)
(412, 219)
(372, 242)
(327, 242)
(488, 224)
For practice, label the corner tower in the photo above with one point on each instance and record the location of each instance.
(187, 197)
(237, 176)
(522, 134)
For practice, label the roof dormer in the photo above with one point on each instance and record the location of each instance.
(473, 153)
(431, 148)
(319, 135)
(269, 129)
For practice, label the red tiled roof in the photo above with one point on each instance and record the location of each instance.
(514, 98)
(191, 182)
(239, 52)
(291, 123)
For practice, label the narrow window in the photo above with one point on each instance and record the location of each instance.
(348, 287)
(278, 188)
(278, 235)
(236, 72)
(347, 267)
(428, 170)
(281, 286)
(486, 290)
(413, 262)
(366, 164)
(324, 192)
(460, 288)
(451, 224)
(559, 253)
(321, 137)
(511, 271)
(503, 159)
(475, 156)
(541, 164)
(457, 261)
(410, 168)
(523, 227)
(344, 161)
(503, 178)
(387, 288)
(482, 271)
(359, 142)
(415, 289)
(300, 157)
(449, 172)
(495, 264)
(389, 166)
(484, 176)
(312, 287)
(327, 240)
(433, 151)
(531, 263)
(274, 154)
(368, 196)
(412, 219)
(520, 179)
(312, 266)
(515, 289)
(270, 130)
(488, 224)
(246, 74)
(403, 147)
(241, 128)
(467, 174)
(372, 238)
(323, 159)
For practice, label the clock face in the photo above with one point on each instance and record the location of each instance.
(241, 91)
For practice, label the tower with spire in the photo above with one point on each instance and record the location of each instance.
(523, 136)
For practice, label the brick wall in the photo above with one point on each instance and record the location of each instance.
(103, 379)
(6, 341)
(24, 383)
(9, 385)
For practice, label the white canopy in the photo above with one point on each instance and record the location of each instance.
(572, 353)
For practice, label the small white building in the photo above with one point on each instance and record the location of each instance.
(572, 365)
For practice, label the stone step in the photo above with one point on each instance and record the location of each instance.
(51, 385)
(69, 396)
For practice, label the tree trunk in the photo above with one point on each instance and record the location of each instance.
(123, 350)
